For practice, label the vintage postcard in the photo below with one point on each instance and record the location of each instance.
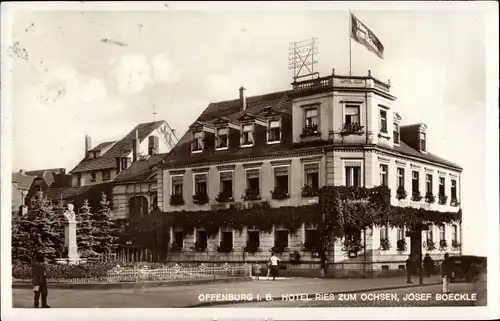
(249, 160)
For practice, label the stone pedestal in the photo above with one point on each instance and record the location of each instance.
(70, 240)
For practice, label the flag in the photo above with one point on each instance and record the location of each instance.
(364, 36)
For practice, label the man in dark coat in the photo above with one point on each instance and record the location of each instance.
(428, 265)
(409, 269)
(446, 271)
(39, 280)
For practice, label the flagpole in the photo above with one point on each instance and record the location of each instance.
(350, 42)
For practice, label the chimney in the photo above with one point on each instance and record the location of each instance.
(243, 100)
(135, 147)
(88, 145)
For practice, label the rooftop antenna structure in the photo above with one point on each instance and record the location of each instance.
(301, 57)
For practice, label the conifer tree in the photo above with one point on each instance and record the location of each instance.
(105, 230)
(85, 231)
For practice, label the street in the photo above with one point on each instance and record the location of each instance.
(143, 296)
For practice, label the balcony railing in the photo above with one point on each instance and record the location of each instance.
(341, 81)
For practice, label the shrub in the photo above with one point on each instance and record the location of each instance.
(251, 247)
(430, 198)
(200, 198)
(295, 257)
(401, 193)
(176, 200)
(63, 271)
(401, 246)
(443, 245)
(455, 244)
(385, 244)
(415, 196)
(280, 194)
(443, 199)
(430, 245)
(309, 191)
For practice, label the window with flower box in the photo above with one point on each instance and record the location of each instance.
(441, 186)
(310, 122)
(454, 189)
(201, 240)
(352, 115)
(280, 240)
(312, 240)
(280, 182)
(200, 195)
(274, 131)
(178, 242)
(176, 197)
(429, 234)
(247, 135)
(197, 142)
(226, 242)
(454, 236)
(401, 234)
(415, 182)
(222, 138)
(226, 187)
(401, 177)
(253, 241)
(311, 181)
(442, 232)
(428, 181)
(252, 191)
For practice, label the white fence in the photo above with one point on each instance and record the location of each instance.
(173, 273)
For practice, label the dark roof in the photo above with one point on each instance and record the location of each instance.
(22, 181)
(279, 101)
(140, 170)
(121, 148)
(77, 195)
(101, 146)
(404, 149)
(41, 172)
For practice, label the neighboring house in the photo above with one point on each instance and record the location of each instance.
(105, 161)
(21, 184)
(282, 147)
(77, 195)
(134, 196)
(27, 183)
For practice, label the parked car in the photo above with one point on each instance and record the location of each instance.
(467, 268)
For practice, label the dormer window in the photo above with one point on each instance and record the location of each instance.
(222, 138)
(395, 133)
(383, 121)
(93, 176)
(197, 142)
(247, 135)
(274, 133)
(422, 142)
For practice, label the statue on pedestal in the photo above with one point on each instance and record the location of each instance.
(70, 235)
(70, 214)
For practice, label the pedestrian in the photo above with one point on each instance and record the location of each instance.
(409, 269)
(273, 264)
(39, 280)
(428, 265)
(446, 270)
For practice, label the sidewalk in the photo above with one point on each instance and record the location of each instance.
(188, 295)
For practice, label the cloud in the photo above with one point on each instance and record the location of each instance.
(133, 72)
(93, 90)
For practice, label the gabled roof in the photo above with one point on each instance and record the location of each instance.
(102, 146)
(22, 181)
(140, 170)
(121, 148)
(265, 106)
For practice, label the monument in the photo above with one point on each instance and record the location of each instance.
(70, 237)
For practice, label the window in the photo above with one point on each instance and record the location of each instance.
(383, 121)
(454, 237)
(429, 234)
(254, 238)
(79, 180)
(414, 182)
(177, 184)
(384, 233)
(197, 143)
(401, 177)
(226, 183)
(311, 118)
(124, 163)
(442, 232)
(281, 239)
(247, 135)
(281, 178)
(383, 174)
(441, 186)
(428, 182)
(178, 239)
(353, 176)
(311, 173)
(200, 184)
(227, 240)
(222, 138)
(93, 176)
(422, 142)
(274, 131)
(312, 239)
(106, 175)
(454, 189)
(201, 238)
(253, 180)
(395, 133)
(401, 233)
(352, 114)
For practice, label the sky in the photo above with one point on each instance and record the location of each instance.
(101, 72)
